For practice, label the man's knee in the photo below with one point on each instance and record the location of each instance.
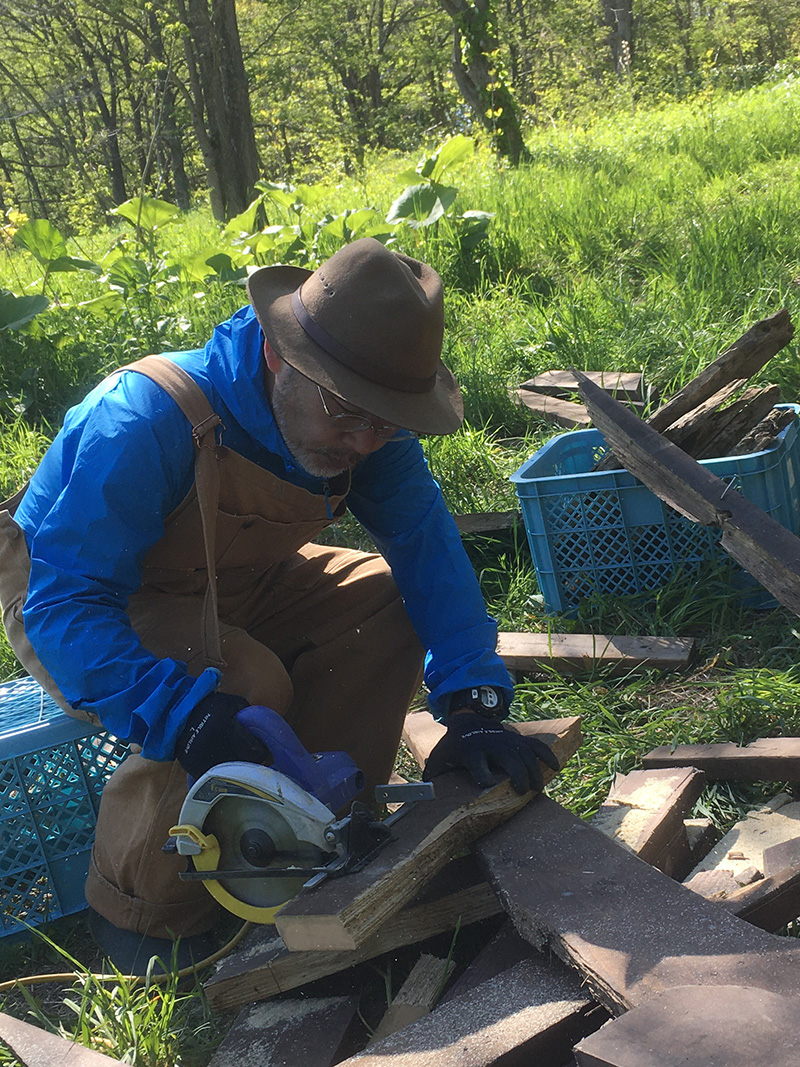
(254, 672)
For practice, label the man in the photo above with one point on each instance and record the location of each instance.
(167, 576)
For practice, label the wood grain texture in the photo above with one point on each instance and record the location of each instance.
(772, 759)
(645, 811)
(631, 931)
(487, 521)
(416, 996)
(721, 428)
(769, 903)
(262, 966)
(532, 1013)
(578, 653)
(742, 360)
(624, 385)
(342, 913)
(553, 409)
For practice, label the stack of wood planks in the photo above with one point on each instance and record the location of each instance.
(715, 414)
(602, 945)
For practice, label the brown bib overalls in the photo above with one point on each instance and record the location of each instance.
(318, 634)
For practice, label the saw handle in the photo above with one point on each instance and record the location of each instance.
(332, 777)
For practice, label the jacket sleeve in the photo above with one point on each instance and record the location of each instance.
(94, 507)
(398, 501)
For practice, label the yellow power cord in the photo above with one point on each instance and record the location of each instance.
(153, 979)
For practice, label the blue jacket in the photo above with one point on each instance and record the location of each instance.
(124, 459)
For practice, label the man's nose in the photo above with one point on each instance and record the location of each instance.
(365, 441)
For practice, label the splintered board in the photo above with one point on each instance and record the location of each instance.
(342, 913)
(262, 967)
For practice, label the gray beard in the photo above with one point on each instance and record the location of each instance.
(320, 462)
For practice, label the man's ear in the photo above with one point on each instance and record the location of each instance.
(274, 361)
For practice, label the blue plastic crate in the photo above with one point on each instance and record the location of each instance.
(52, 772)
(604, 532)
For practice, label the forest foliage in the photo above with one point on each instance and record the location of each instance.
(101, 102)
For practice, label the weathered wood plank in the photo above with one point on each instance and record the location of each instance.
(754, 539)
(699, 1026)
(771, 759)
(716, 433)
(415, 997)
(769, 903)
(35, 1047)
(742, 360)
(561, 412)
(262, 966)
(623, 384)
(736, 364)
(287, 1033)
(532, 1013)
(743, 845)
(702, 835)
(644, 812)
(342, 913)
(487, 522)
(628, 929)
(765, 434)
(576, 653)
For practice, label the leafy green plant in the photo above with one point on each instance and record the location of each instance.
(428, 200)
(46, 244)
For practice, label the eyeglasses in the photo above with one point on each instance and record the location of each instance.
(349, 422)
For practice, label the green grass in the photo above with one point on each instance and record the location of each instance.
(637, 242)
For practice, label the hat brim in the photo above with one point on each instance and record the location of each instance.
(439, 411)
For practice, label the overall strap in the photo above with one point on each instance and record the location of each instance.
(193, 402)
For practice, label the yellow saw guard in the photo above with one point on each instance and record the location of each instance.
(207, 859)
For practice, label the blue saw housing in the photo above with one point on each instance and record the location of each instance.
(332, 777)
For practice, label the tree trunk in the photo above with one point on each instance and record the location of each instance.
(618, 16)
(222, 117)
(481, 82)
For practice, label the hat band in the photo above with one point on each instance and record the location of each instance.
(403, 383)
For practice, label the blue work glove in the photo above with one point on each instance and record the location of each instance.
(213, 735)
(490, 752)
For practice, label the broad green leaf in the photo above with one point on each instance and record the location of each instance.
(422, 205)
(310, 194)
(474, 228)
(251, 219)
(15, 311)
(147, 212)
(425, 166)
(408, 176)
(278, 194)
(42, 239)
(128, 273)
(103, 306)
(453, 151)
(349, 223)
(70, 263)
(223, 265)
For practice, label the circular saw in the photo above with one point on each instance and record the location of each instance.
(255, 835)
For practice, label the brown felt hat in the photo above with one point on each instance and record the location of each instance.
(366, 325)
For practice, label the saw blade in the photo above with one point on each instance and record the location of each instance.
(240, 821)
